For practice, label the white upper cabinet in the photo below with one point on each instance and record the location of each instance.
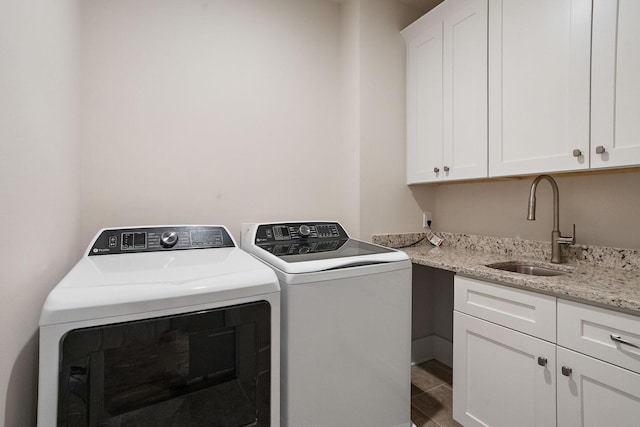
(539, 85)
(615, 87)
(563, 91)
(424, 97)
(447, 93)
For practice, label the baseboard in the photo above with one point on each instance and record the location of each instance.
(432, 347)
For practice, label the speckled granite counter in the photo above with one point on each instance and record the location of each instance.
(607, 277)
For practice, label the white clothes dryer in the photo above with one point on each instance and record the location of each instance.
(155, 326)
(346, 325)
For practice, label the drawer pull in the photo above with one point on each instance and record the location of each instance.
(619, 339)
(542, 361)
(567, 371)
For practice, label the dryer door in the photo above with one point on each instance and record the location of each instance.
(185, 369)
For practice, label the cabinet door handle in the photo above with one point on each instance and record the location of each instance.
(446, 168)
(618, 338)
(436, 170)
(566, 371)
(577, 153)
(542, 361)
(600, 149)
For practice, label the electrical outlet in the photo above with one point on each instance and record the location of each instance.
(426, 217)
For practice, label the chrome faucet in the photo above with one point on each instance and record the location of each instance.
(556, 238)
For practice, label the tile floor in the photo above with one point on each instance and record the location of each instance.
(431, 395)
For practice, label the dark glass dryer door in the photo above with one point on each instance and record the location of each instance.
(208, 368)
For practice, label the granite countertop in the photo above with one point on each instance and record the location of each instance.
(606, 277)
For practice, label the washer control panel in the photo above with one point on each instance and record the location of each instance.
(298, 238)
(155, 239)
(298, 231)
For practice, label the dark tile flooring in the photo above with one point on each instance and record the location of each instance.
(431, 395)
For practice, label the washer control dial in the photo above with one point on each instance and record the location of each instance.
(168, 239)
(304, 230)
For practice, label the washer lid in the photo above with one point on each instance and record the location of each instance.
(132, 283)
(353, 253)
(308, 247)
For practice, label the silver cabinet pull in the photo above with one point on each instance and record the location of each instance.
(566, 371)
(446, 168)
(577, 153)
(618, 338)
(542, 361)
(436, 170)
(600, 149)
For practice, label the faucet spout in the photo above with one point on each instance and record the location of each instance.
(531, 214)
(556, 238)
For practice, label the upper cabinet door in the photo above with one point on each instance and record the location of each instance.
(447, 93)
(424, 98)
(539, 78)
(465, 90)
(615, 123)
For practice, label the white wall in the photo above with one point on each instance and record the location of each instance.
(225, 112)
(605, 208)
(39, 182)
(211, 112)
(386, 204)
(350, 60)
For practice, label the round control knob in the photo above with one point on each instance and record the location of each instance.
(304, 250)
(168, 239)
(304, 231)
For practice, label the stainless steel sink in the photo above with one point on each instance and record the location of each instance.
(525, 268)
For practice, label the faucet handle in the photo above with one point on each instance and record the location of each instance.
(568, 240)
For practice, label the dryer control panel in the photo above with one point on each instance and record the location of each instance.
(154, 239)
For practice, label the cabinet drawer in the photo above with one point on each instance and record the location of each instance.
(528, 312)
(591, 330)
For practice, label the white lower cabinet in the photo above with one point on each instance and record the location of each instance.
(593, 393)
(598, 362)
(503, 375)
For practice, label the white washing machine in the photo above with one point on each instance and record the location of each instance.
(346, 325)
(162, 326)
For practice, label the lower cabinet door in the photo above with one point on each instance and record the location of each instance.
(501, 377)
(595, 393)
